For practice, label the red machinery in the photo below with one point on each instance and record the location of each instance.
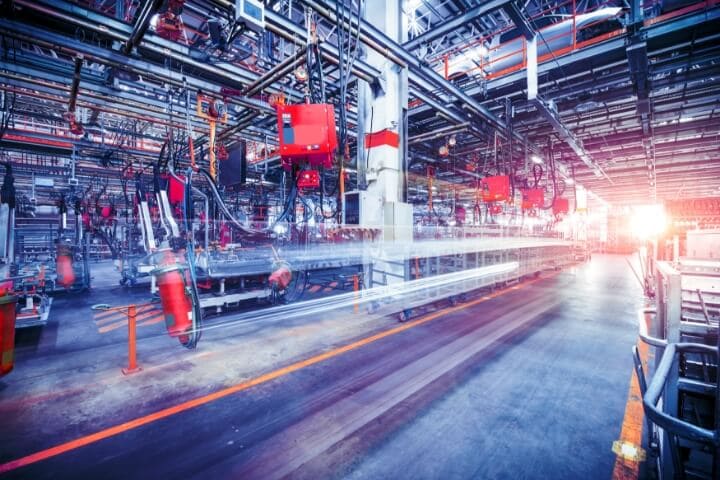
(175, 189)
(64, 266)
(308, 179)
(280, 278)
(175, 297)
(495, 189)
(532, 198)
(495, 209)
(169, 23)
(560, 206)
(7, 331)
(307, 134)
(460, 215)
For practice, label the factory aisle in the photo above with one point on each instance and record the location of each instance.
(530, 383)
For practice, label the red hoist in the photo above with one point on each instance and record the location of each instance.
(560, 206)
(532, 198)
(494, 190)
(307, 139)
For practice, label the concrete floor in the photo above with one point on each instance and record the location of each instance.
(531, 384)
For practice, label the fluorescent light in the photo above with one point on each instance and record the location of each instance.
(536, 159)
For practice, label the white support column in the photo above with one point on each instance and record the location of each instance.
(384, 106)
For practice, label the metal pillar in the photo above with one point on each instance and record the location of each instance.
(383, 105)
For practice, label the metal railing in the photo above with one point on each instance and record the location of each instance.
(671, 432)
(682, 401)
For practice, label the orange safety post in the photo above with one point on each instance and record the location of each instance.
(132, 351)
(356, 288)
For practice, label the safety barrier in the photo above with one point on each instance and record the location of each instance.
(683, 428)
(132, 332)
(676, 436)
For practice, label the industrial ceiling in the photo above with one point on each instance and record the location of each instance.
(629, 108)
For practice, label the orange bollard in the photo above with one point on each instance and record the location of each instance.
(132, 352)
(356, 288)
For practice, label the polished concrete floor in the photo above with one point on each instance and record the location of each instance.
(530, 382)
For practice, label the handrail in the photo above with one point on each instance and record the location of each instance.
(666, 269)
(667, 422)
(643, 329)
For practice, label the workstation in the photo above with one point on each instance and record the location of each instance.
(359, 239)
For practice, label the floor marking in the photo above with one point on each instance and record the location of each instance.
(267, 377)
(103, 317)
(632, 426)
(153, 320)
(112, 326)
(147, 317)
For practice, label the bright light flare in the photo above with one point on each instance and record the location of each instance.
(648, 221)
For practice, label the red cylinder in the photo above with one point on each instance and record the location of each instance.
(64, 267)
(281, 277)
(176, 303)
(7, 333)
(225, 235)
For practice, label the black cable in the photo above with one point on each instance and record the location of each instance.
(367, 149)
(537, 174)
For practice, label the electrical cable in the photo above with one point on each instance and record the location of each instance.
(537, 171)
(196, 332)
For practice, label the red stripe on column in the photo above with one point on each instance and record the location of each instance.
(383, 137)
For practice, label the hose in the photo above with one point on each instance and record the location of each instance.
(233, 221)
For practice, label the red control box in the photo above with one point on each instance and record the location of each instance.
(495, 189)
(307, 134)
(308, 179)
(532, 198)
(560, 206)
(495, 209)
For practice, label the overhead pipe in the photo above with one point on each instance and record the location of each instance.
(381, 43)
(285, 28)
(278, 71)
(449, 115)
(249, 102)
(440, 132)
(363, 70)
(437, 106)
(142, 23)
(288, 30)
(451, 25)
(233, 76)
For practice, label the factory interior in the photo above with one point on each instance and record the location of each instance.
(360, 239)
